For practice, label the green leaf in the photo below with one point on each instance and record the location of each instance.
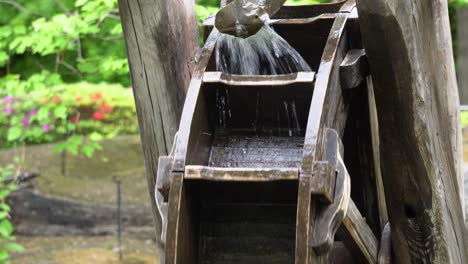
(14, 133)
(3, 255)
(14, 247)
(3, 215)
(60, 112)
(60, 147)
(6, 228)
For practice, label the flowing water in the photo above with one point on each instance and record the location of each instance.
(265, 53)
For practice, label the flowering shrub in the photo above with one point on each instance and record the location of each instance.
(76, 114)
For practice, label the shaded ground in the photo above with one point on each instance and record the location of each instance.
(88, 180)
(83, 250)
(72, 218)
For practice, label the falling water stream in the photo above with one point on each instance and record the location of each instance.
(265, 53)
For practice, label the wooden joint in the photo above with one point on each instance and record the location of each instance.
(323, 184)
(324, 172)
(162, 191)
(335, 181)
(354, 69)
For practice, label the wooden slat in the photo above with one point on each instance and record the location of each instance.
(361, 233)
(383, 215)
(240, 174)
(258, 80)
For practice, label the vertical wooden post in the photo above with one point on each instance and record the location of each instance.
(161, 39)
(409, 47)
(462, 61)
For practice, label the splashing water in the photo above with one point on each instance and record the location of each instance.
(264, 53)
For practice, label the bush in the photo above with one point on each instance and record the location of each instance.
(79, 113)
(7, 239)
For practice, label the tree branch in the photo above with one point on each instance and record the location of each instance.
(18, 6)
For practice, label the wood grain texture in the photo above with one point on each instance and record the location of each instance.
(330, 217)
(361, 233)
(408, 45)
(462, 54)
(327, 110)
(385, 248)
(374, 127)
(240, 174)
(161, 40)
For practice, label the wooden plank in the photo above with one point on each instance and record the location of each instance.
(361, 233)
(383, 214)
(160, 73)
(240, 174)
(193, 92)
(408, 45)
(258, 80)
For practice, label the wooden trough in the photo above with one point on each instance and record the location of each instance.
(262, 166)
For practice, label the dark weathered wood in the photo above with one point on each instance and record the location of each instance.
(327, 91)
(385, 248)
(462, 54)
(161, 39)
(408, 45)
(240, 174)
(330, 217)
(361, 233)
(354, 68)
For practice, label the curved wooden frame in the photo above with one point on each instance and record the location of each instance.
(327, 110)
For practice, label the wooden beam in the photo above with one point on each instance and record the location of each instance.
(409, 48)
(161, 39)
(462, 55)
(361, 233)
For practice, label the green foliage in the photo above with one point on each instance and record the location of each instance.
(7, 244)
(80, 113)
(79, 40)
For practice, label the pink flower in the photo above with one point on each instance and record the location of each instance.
(46, 128)
(106, 108)
(25, 121)
(8, 99)
(75, 119)
(95, 96)
(99, 115)
(8, 110)
(32, 112)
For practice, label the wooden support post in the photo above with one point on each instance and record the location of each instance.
(462, 58)
(409, 49)
(161, 39)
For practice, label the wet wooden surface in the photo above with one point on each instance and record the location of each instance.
(256, 152)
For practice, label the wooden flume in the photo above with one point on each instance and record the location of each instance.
(262, 166)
